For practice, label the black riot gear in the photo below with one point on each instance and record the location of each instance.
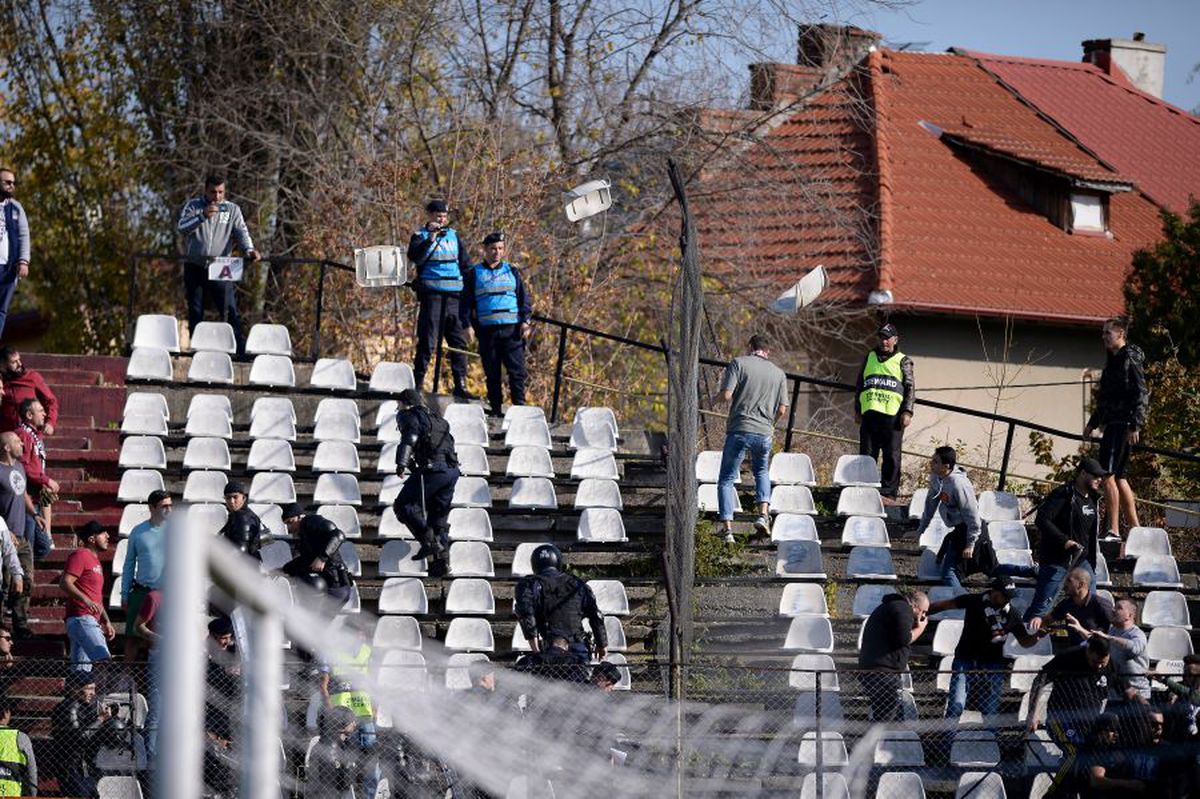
(553, 604)
(423, 504)
(319, 538)
(425, 441)
(244, 530)
(547, 556)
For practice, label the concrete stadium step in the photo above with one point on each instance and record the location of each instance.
(111, 368)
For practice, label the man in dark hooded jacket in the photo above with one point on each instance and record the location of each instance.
(242, 528)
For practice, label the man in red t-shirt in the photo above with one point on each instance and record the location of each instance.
(88, 627)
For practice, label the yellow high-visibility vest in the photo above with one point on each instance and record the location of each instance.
(883, 385)
(12, 764)
(359, 702)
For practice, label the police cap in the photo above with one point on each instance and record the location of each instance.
(437, 207)
(493, 237)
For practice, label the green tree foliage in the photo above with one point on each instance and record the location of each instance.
(1162, 295)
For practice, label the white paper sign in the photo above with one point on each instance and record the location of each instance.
(228, 269)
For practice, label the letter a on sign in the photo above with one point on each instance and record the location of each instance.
(227, 269)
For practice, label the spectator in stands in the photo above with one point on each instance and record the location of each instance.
(1126, 640)
(1121, 402)
(21, 384)
(14, 573)
(88, 627)
(1067, 523)
(144, 557)
(979, 666)
(427, 451)
(883, 407)
(242, 528)
(81, 725)
(952, 497)
(14, 238)
(333, 761)
(318, 562)
(41, 487)
(1079, 612)
(756, 391)
(496, 304)
(1080, 680)
(146, 628)
(8, 663)
(210, 226)
(339, 691)
(16, 507)
(552, 604)
(887, 639)
(606, 676)
(18, 766)
(222, 706)
(1185, 700)
(440, 261)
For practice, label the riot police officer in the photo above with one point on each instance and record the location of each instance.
(440, 260)
(495, 304)
(318, 561)
(553, 604)
(242, 528)
(427, 449)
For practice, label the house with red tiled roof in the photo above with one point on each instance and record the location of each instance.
(988, 205)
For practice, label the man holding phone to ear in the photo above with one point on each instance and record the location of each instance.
(887, 639)
(440, 260)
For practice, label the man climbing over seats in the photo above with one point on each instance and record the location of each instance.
(552, 604)
(242, 528)
(952, 497)
(427, 451)
(883, 407)
(318, 562)
(440, 261)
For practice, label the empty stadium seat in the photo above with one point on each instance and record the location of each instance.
(400, 671)
(273, 407)
(272, 370)
(131, 517)
(209, 424)
(527, 432)
(395, 559)
(335, 374)
(1041, 752)
(1014, 557)
(397, 632)
(470, 596)
(150, 423)
(272, 426)
(833, 786)
(868, 597)
(117, 787)
(868, 531)
(522, 564)
(805, 669)
(594, 463)
(272, 487)
(470, 635)
(337, 405)
(118, 561)
(594, 431)
(809, 634)
(999, 506)
(529, 461)
(137, 484)
(611, 598)
(533, 493)
(792, 499)
(204, 404)
(403, 595)
(792, 468)
(391, 527)
(469, 431)
(707, 501)
(870, 563)
(941, 593)
(1102, 576)
(1166, 609)
(803, 599)
(205, 486)
(473, 492)
(150, 402)
(1169, 643)
(1024, 669)
(142, 452)
(899, 749)
(387, 459)
(516, 412)
(271, 455)
(472, 460)
(980, 785)
(1156, 571)
(597, 413)
(916, 504)
(265, 339)
(336, 426)
(271, 516)
(149, 363)
(974, 749)
(344, 517)
(208, 516)
(156, 330)
(470, 559)
(944, 673)
(927, 567)
(336, 489)
(350, 558)
(210, 367)
(799, 560)
(793, 527)
(945, 638)
(214, 337)
(833, 750)
(601, 526)
(596, 493)
(207, 453)
(614, 632)
(469, 524)
(1008, 534)
(934, 534)
(708, 467)
(1013, 649)
(860, 501)
(856, 470)
(385, 421)
(336, 456)
(805, 710)
(1147, 541)
(275, 555)
(390, 377)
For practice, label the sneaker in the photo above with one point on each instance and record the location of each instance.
(763, 525)
(729, 539)
(1111, 536)
(462, 394)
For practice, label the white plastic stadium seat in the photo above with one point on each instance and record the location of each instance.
(470, 559)
(1103, 578)
(471, 492)
(804, 671)
(136, 484)
(271, 455)
(856, 470)
(114, 787)
(207, 453)
(206, 516)
(898, 749)
(469, 431)
(142, 452)
(534, 493)
(403, 595)
(470, 635)
(395, 559)
(390, 377)
(271, 516)
(391, 527)
(207, 486)
(810, 634)
(1041, 752)
(336, 374)
(1014, 557)
(792, 468)
(594, 463)
(707, 502)
(916, 505)
(271, 426)
(516, 412)
(387, 458)
(472, 460)
(131, 517)
(272, 487)
(336, 489)
(156, 330)
(522, 564)
(210, 403)
(870, 563)
(1025, 669)
(868, 597)
(344, 518)
(946, 637)
(799, 560)
(149, 363)
(1156, 571)
(980, 785)
(860, 501)
(1008, 535)
(792, 499)
(598, 413)
(273, 406)
(1166, 609)
(804, 712)
(118, 561)
(1169, 643)
(594, 431)
(397, 632)
(865, 531)
(350, 558)
(272, 370)
(974, 749)
(793, 527)
(385, 421)
(267, 339)
(611, 598)
(927, 567)
(601, 526)
(463, 412)
(708, 467)
(470, 596)
(337, 405)
(833, 750)
(614, 632)
(1013, 649)
(147, 402)
(934, 533)
(833, 786)
(210, 367)
(803, 599)
(336, 456)
(469, 524)
(209, 424)
(275, 555)
(594, 493)
(152, 423)
(214, 337)
(999, 506)
(527, 432)
(528, 461)
(337, 426)
(1147, 541)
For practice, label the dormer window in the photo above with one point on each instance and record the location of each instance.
(1089, 213)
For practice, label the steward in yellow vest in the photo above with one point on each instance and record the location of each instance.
(883, 407)
(18, 768)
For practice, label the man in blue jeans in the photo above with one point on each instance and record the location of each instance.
(756, 390)
(952, 497)
(88, 627)
(979, 666)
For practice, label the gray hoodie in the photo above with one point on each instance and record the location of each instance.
(212, 238)
(953, 497)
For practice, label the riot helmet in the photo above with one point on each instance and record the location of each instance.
(545, 557)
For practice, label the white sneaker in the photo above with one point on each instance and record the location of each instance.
(763, 524)
(729, 539)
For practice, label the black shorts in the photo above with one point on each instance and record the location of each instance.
(1114, 449)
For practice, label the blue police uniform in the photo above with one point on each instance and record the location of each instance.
(440, 261)
(495, 304)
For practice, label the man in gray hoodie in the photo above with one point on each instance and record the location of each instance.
(14, 243)
(210, 226)
(953, 497)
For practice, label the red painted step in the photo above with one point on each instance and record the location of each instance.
(93, 458)
(77, 419)
(113, 368)
(60, 444)
(71, 377)
(105, 403)
(65, 474)
(70, 520)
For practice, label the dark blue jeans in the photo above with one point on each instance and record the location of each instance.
(980, 681)
(1050, 578)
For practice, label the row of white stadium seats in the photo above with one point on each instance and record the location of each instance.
(162, 331)
(272, 371)
(798, 499)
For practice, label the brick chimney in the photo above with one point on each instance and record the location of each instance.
(824, 50)
(1142, 62)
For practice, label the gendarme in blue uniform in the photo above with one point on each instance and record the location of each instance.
(495, 303)
(440, 260)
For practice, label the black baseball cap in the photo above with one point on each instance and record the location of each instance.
(1004, 585)
(291, 510)
(437, 207)
(1093, 467)
(887, 330)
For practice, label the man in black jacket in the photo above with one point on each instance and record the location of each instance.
(243, 528)
(423, 504)
(1120, 412)
(1068, 523)
(887, 640)
(552, 604)
(81, 725)
(318, 541)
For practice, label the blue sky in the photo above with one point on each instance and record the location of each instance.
(1049, 29)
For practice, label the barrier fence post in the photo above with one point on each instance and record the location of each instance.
(558, 372)
(437, 358)
(316, 345)
(1008, 441)
(787, 443)
(820, 742)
